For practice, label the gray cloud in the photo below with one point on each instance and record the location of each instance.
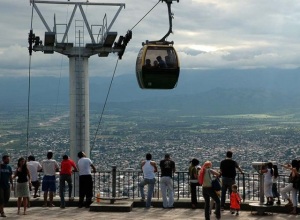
(208, 34)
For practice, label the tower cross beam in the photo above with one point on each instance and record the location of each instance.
(77, 4)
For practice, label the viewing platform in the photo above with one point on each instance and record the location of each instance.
(182, 210)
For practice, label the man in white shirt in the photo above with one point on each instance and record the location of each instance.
(85, 179)
(34, 167)
(149, 168)
(49, 166)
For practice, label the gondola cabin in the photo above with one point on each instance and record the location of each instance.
(157, 67)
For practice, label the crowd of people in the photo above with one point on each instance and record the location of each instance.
(205, 176)
(270, 172)
(215, 182)
(26, 176)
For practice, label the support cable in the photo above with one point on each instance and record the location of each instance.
(101, 115)
(30, 41)
(59, 81)
(105, 102)
(145, 15)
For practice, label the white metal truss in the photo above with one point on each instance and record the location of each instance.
(96, 46)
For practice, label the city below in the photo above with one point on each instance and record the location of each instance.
(125, 137)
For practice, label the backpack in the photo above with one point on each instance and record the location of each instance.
(201, 176)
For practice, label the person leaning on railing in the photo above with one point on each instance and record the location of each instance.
(85, 179)
(193, 174)
(228, 168)
(291, 187)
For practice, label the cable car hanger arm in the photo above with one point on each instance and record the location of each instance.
(170, 16)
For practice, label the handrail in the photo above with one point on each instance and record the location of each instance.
(127, 182)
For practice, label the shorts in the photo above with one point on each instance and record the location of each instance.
(4, 196)
(49, 184)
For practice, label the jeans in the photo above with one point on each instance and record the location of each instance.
(166, 187)
(287, 189)
(208, 193)
(62, 183)
(226, 184)
(150, 183)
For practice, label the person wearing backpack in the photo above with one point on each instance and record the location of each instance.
(205, 179)
(193, 174)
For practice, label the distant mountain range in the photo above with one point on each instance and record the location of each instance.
(198, 91)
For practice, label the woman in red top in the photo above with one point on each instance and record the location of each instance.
(235, 200)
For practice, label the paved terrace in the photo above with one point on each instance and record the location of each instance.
(74, 213)
(36, 211)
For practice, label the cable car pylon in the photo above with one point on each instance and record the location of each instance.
(102, 44)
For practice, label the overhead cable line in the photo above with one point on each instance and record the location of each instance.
(101, 116)
(60, 73)
(103, 109)
(145, 15)
(30, 41)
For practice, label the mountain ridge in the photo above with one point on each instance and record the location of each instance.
(209, 91)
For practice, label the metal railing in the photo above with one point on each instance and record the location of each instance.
(124, 184)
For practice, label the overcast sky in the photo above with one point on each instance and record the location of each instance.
(208, 34)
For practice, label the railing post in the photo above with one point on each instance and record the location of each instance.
(114, 184)
(178, 185)
(244, 188)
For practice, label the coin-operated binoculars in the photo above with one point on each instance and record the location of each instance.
(258, 166)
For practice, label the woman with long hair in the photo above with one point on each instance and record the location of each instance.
(274, 186)
(23, 181)
(207, 190)
(294, 168)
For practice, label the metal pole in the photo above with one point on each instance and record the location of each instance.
(114, 183)
(261, 189)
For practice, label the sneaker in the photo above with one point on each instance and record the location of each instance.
(142, 199)
(3, 214)
(237, 214)
(278, 202)
(148, 207)
(232, 213)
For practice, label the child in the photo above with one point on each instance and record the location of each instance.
(268, 182)
(235, 200)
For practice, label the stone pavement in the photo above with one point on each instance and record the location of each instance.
(74, 213)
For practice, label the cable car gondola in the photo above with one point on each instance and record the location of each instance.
(157, 64)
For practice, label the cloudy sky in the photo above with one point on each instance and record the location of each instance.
(208, 34)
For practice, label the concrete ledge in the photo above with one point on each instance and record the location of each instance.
(106, 206)
(128, 204)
